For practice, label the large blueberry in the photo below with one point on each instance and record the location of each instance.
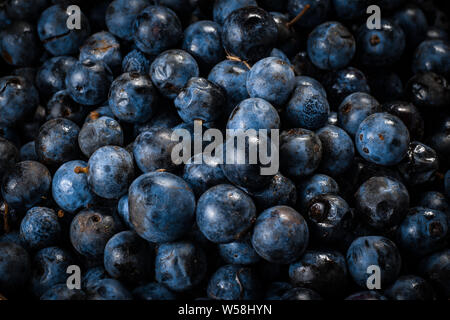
(223, 8)
(51, 75)
(313, 186)
(121, 14)
(19, 44)
(102, 46)
(410, 115)
(414, 24)
(280, 191)
(40, 228)
(432, 56)
(254, 113)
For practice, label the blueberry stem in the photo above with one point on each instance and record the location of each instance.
(81, 170)
(298, 17)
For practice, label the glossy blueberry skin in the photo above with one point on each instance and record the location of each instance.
(316, 14)
(435, 33)
(350, 10)
(314, 186)
(366, 295)
(380, 47)
(19, 44)
(432, 56)
(156, 29)
(436, 268)
(90, 230)
(420, 165)
(57, 141)
(50, 77)
(132, 97)
(61, 105)
(123, 212)
(111, 169)
(180, 265)
(447, 183)
(434, 200)
(135, 61)
(428, 91)
(88, 82)
(300, 152)
(231, 76)
(239, 252)
(249, 23)
(271, 79)
(223, 8)
(200, 99)
(414, 24)
(423, 231)
(49, 268)
(410, 287)
(153, 291)
(109, 289)
(234, 282)
(128, 258)
(254, 113)
(15, 267)
(24, 185)
(40, 228)
(171, 70)
(280, 191)
(152, 150)
(277, 53)
(121, 14)
(62, 292)
(330, 219)
(18, 98)
(203, 41)
(337, 150)
(54, 34)
(99, 133)
(324, 271)
(280, 235)
(308, 108)
(28, 152)
(203, 175)
(382, 139)
(70, 190)
(382, 202)
(102, 46)
(409, 114)
(225, 213)
(331, 46)
(300, 294)
(373, 250)
(305, 81)
(161, 206)
(354, 109)
(9, 155)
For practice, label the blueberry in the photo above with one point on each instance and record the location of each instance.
(428, 91)
(18, 98)
(109, 289)
(49, 268)
(254, 113)
(337, 150)
(135, 61)
(180, 265)
(432, 56)
(279, 54)
(200, 99)
(123, 212)
(88, 82)
(91, 276)
(54, 34)
(90, 230)
(223, 8)
(305, 81)
(153, 291)
(225, 213)
(57, 141)
(271, 79)
(239, 252)
(102, 46)
(420, 165)
(410, 287)
(414, 24)
(350, 10)
(321, 270)
(300, 152)
(121, 14)
(317, 13)
(9, 155)
(249, 23)
(314, 186)
(373, 250)
(202, 40)
(19, 44)
(61, 105)
(280, 235)
(40, 228)
(435, 33)
(156, 29)
(25, 184)
(382, 139)
(161, 206)
(128, 257)
(436, 268)
(280, 191)
(308, 108)
(234, 282)
(434, 200)
(410, 116)
(28, 152)
(423, 231)
(171, 70)
(301, 294)
(25, 10)
(51, 75)
(354, 109)
(62, 292)
(440, 139)
(231, 76)
(331, 46)
(380, 47)
(15, 267)
(366, 295)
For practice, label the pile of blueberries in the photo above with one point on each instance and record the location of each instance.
(93, 207)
